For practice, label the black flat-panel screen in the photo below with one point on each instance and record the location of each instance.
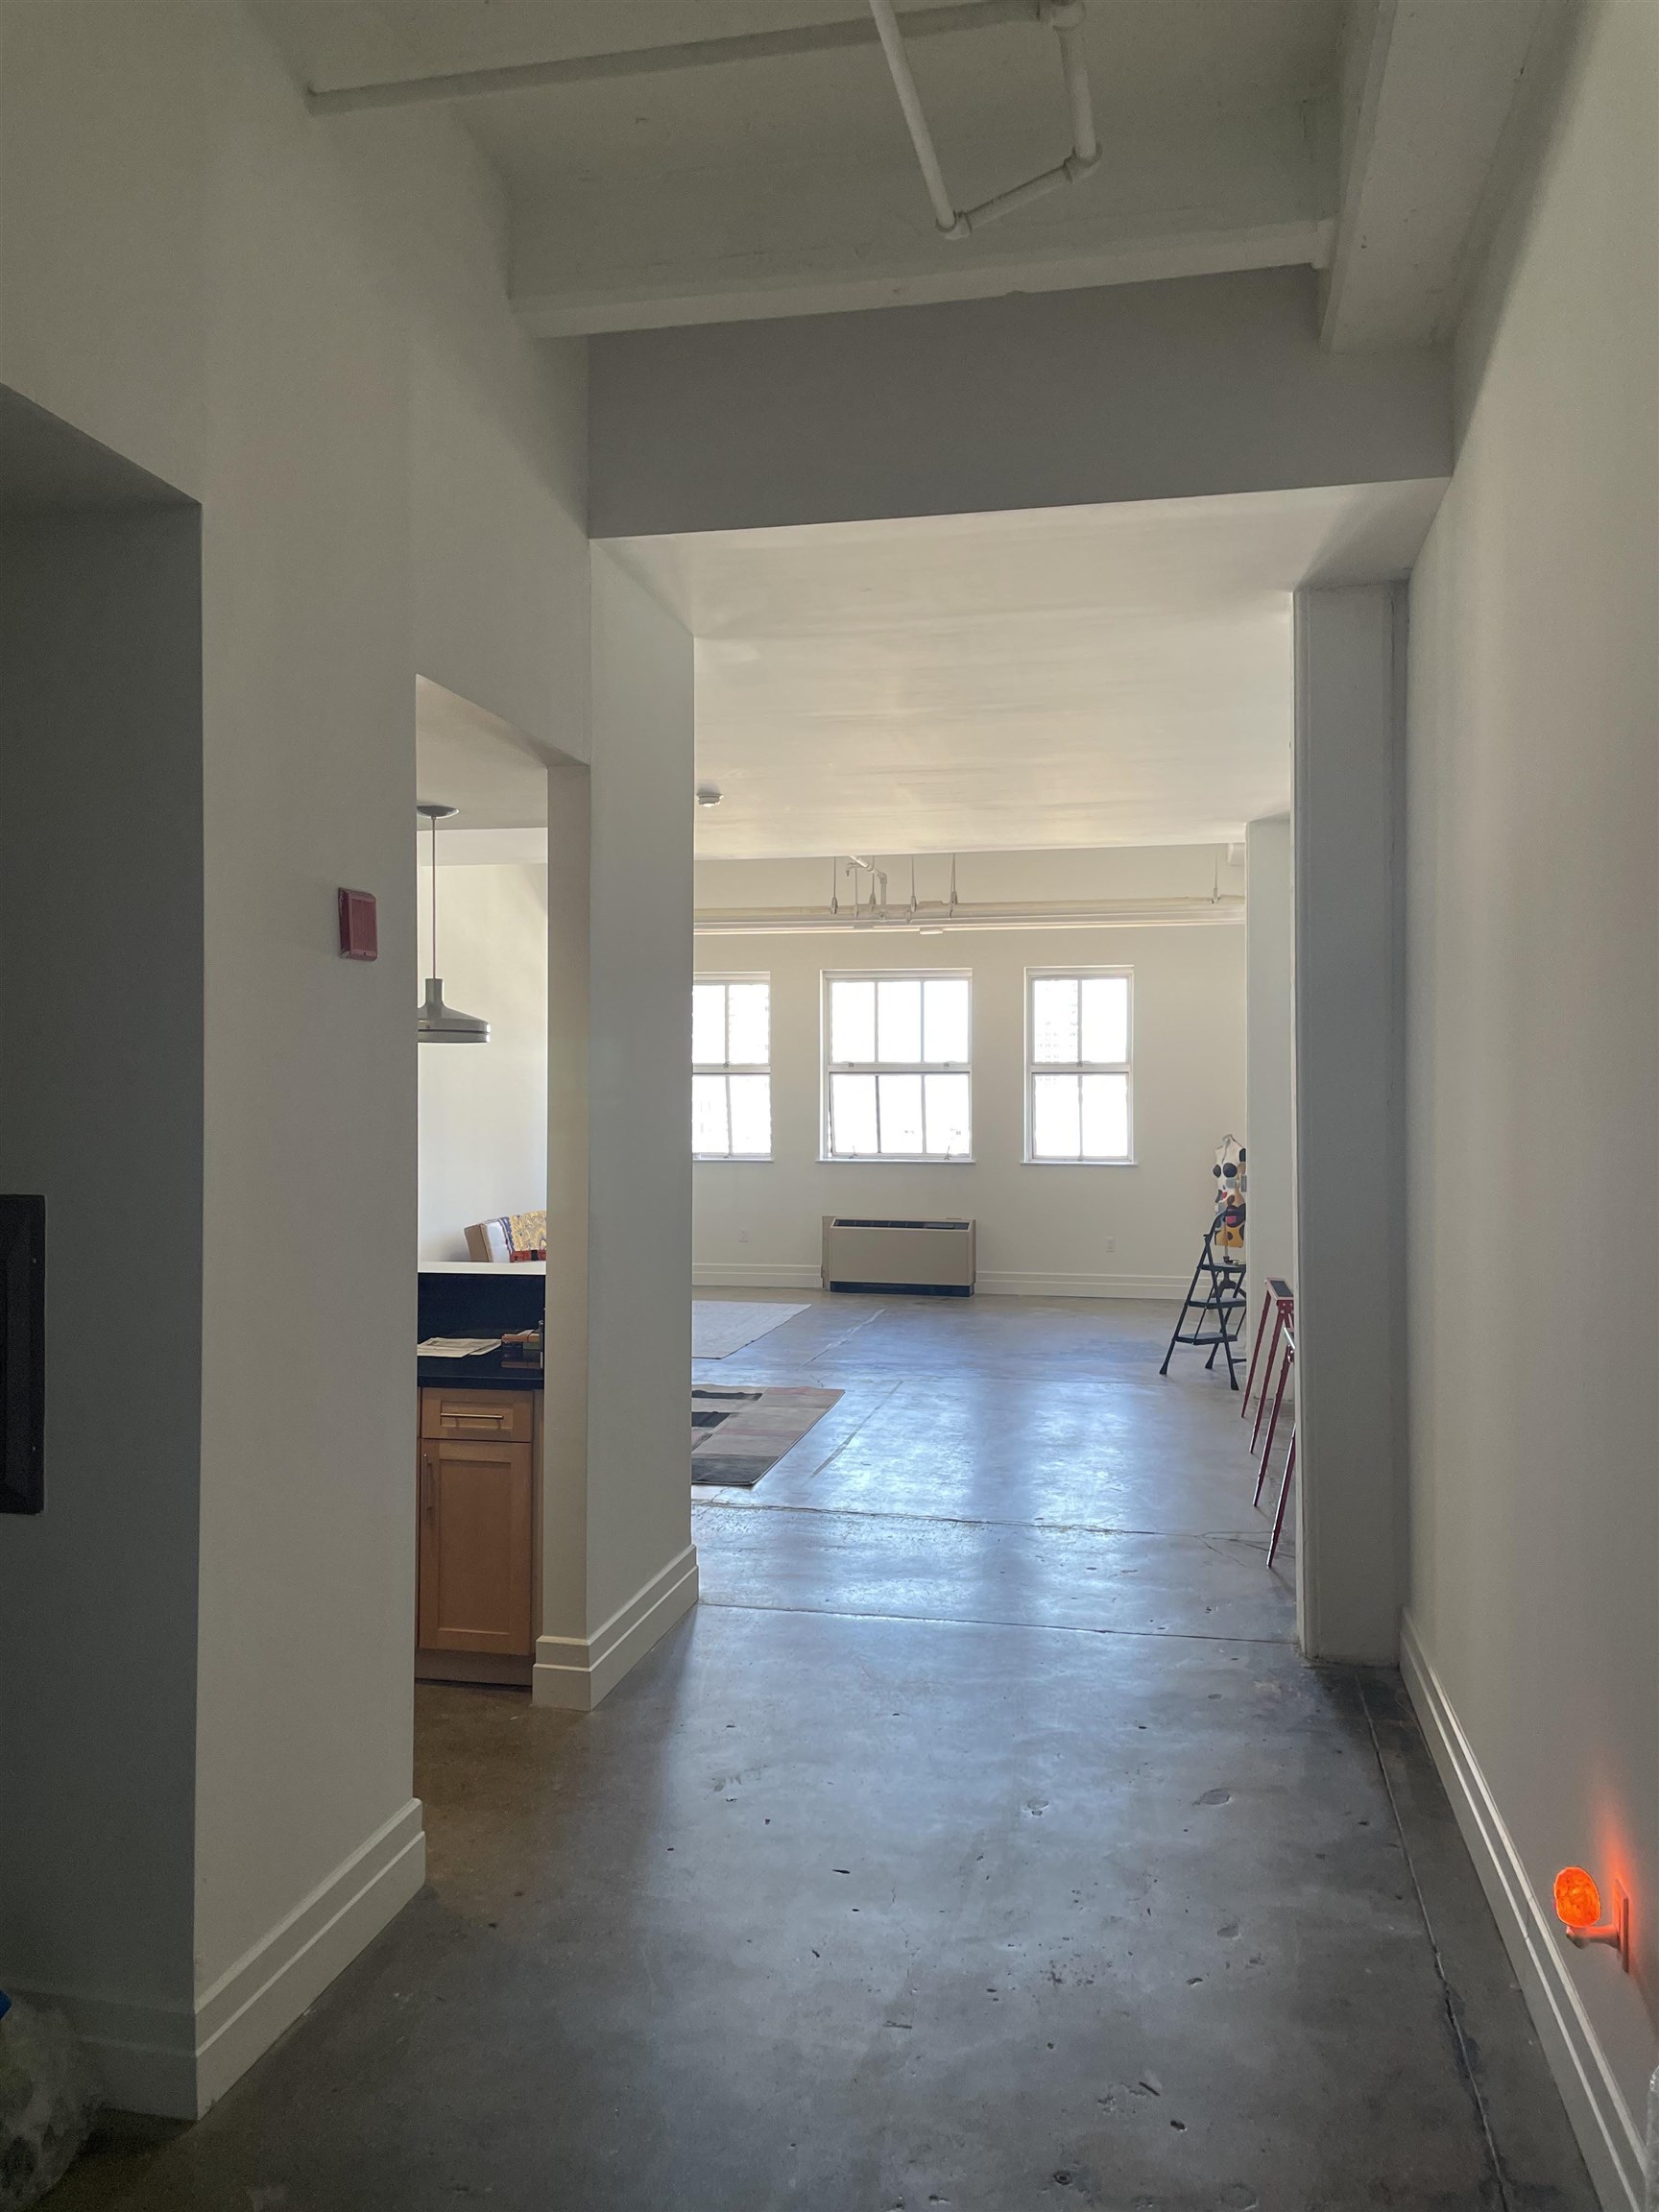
(22, 1354)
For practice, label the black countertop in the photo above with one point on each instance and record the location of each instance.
(483, 1371)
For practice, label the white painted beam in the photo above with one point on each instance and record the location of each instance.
(1223, 194)
(685, 300)
(448, 86)
(1430, 87)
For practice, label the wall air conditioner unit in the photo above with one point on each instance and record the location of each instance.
(931, 1257)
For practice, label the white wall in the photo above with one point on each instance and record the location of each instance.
(1533, 964)
(1050, 1230)
(1216, 384)
(484, 1108)
(1271, 1243)
(100, 1112)
(305, 328)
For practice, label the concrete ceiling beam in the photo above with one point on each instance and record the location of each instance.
(1433, 102)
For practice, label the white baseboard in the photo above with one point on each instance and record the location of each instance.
(176, 2060)
(1607, 2134)
(1005, 1282)
(1023, 1282)
(145, 2055)
(247, 2008)
(573, 1673)
(755, 1275)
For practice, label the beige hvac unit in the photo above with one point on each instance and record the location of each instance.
(860, 1254)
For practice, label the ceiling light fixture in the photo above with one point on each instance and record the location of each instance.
(708, 795)
(438, 1023)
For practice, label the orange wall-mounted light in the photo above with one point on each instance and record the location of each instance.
(1578, 1908)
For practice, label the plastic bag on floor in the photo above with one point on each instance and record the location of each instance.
(48, 2102)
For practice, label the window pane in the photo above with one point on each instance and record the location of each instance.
(1105, 1116)
(751, 1112)
(898, 1022)
(708, 1025)
(749, 1017)
(945, 1009)
(1105, 1018)
(901, 1114)
(949, 1104)
(853, 1024)
(1055, 1130)
(1054, 1017)
(853, 1116)
(708, 1130)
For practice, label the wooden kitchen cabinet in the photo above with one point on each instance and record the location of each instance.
(476, 1501)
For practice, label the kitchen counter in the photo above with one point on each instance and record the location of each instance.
(459, 1299)
(483, 1371)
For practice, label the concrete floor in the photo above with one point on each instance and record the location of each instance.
(980, 1842)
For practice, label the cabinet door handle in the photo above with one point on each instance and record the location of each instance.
(426, 1497)
(476, 1420)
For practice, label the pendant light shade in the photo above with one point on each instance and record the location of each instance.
(436, 1023)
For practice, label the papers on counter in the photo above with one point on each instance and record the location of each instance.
(455, 1347)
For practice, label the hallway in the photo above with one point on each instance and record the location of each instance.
(979, 1842)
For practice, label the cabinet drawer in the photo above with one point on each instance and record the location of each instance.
(494, 1416)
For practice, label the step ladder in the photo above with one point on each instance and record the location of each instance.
(1215, 1301)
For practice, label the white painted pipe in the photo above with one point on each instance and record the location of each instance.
(1017, 196)
(1094, 914)
(654, 60)
(910, 101)
(1065, 18)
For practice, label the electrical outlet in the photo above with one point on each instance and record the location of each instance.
(742, 1236)
(1111, 1243)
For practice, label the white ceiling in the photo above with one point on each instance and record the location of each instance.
(1067, 678)
(1235, 134)
(470, 759)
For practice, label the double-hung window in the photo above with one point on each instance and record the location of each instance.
(898, 1082)
(732, 1068)
(1077, 1093)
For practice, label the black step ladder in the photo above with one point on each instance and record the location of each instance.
(1217, 1309)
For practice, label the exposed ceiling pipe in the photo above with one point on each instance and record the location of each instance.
(945, 214)
(1065, 18)
(654, 60)
(1091, 914)
(1066, 22)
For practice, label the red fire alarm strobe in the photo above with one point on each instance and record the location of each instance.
(359, 929)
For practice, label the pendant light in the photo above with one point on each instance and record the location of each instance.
(438, 1023)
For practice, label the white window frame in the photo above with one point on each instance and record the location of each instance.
(1035, 1067)
(831, 1159)
(730, 1067)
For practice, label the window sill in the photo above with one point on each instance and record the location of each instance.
(1029, 1161)
(895, 1160)
(732, 1159)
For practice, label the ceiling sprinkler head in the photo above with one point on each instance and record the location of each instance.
(708, 795)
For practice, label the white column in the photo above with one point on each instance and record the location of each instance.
(1271, 1242)
(638, 1568)
(1349, 1107)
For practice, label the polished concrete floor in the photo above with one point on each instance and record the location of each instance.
(980, 1842)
